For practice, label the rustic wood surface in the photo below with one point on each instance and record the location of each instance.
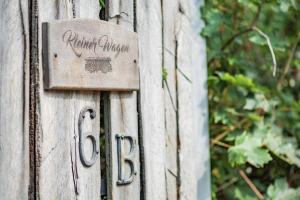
(186, 111)
(59, 166)
(14, 76)
(149, 28)
(85, 54)
(172, 121)
(123, 114)
(170, 15)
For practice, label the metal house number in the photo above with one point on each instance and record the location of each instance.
(122, 158)
(125, 159)
(84, 160)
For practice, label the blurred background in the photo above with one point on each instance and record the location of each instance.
(254, 81)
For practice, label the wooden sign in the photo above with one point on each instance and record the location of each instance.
(89, 55)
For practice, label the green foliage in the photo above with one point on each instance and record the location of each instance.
(280, 190)
(164, 74)
(242, 194)
(255, 116)
(102, 3)
(248, 148)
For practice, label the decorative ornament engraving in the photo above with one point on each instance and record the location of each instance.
(95, 64)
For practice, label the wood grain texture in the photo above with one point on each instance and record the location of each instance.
(170, 14)
(160, 25)
(14, 68)
(149, 28)
(59, 167)
(186, 112)
(124, 120)
(85, 54)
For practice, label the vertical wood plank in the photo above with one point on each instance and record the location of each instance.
(61, 174)
(190, 80)
(124, 122)
(149, 28)
(199, 65)
(170, 12)
(14, 94)
(123, 107)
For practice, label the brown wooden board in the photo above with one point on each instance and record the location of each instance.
(86, 54)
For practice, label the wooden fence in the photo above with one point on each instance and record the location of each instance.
(167, 117)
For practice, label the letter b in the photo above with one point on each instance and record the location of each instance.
(125, 159)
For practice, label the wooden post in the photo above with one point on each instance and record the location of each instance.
(185, 80)
(60, 173)
(123, 119)
(165, 121)
(14, 100)
(170, 16)
(149, 28)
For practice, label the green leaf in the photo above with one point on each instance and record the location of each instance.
(254, 117)
(248, 148)
(240, 195)
(240, 80)
(297, 63)
(261, 102)
(281, 191)
(221, 117)
(284, 147)
(102, 3)
(250, 104)
(232, 61)
(164, 74)
(214, 21)
(285, 5)
(232, 136)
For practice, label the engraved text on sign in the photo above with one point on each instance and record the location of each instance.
(104, 43)
(89, 55)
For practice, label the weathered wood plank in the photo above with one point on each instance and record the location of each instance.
(170, 12)
(188, 98)
(14, 94)
(123, 108)
(199, 65)
(124, 122)
(149, 28)
(60, 172)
